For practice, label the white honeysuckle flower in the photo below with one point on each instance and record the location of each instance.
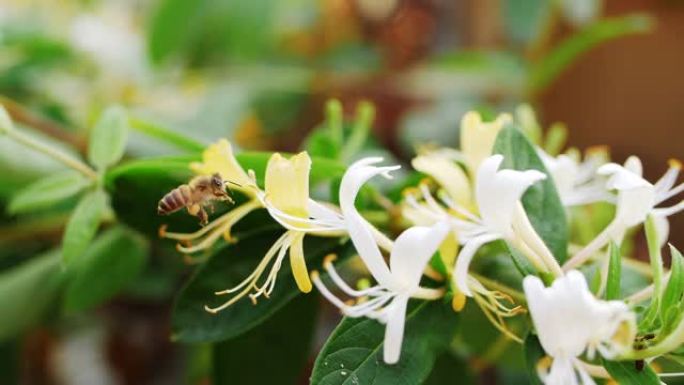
(581, 12)
(449, 175)
(396, 284)
(478, 137)
(577, 182)
(570, 321)
(501, 216)
(636, 200)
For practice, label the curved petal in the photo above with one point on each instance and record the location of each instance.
(287, 183)
(394, 331)
(662, 226)
(298, 263)
(219, 158)
(465, 256)
(498, 192)
(447, 174)
(360, 231)
(477, 137)
(412, 251)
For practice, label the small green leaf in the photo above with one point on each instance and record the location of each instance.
(626, 373)
(283, 342)
(27, 291)
(541, 201)
(108, 138)
(674, 290)
(655, 255)
(82, 225)
(533, 353)
(565, 53)
(353, 353)
(111, 261)
(225, 269)
(614, 273)
(47, 192)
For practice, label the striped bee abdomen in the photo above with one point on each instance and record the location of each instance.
(175, 200)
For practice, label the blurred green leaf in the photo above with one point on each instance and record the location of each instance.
(283, 341)
(108, 138)
(533, 353)
(614, 273)
(543, 73)
(353, 353)
(165, 135)
(171, 27)
(449, 369)
(525, 20)
(626, 373)
(541, 201)
(27, 291)
(674, 290)
(111, 261)
(225, 269)
(82, 225)
(47, 191)
(320, 143)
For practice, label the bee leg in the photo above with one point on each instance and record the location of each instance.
(211, 207)
(229, 199)
(202, 215)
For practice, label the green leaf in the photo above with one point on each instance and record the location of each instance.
(108, 138)
(47, 192)
(654, 254)
(353, 353)
(674, 290)
(449, 369)
(526, 19)
(564, 54)
(171, 25)
(626, 373)
(27, 291)
(165, 135)
(541, 201)
(82, 225)
(111, 261)
(225, 269)
(614, 273)
(283, 342)
(533, 353)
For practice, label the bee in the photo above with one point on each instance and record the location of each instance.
(201, 191)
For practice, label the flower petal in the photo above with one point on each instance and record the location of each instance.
(360, 231)
(298, 263)
(412, 251)
(448, 174)
(394, 331)
(478, 137)
(219, 158)
(465, 256)
(287, 183)
(498, 192)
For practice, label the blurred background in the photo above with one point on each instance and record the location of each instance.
(259, 73)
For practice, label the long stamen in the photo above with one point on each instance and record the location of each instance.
(670, 193)
(332, 273)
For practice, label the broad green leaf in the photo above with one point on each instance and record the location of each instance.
(225, 269)
(541, 201)
(82, 225)
(674, 290)
(111, 261)
(353, 353)
(626, 373)
(108, 138)
(47, 192)
(136, 187)
(27, 291)
(564, 54)
(449, 369)
(283, 342)
(171, 25)
(614, 273)
(533, 353)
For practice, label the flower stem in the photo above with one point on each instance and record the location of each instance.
(52, 152)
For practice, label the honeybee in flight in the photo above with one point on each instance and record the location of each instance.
(201, 191)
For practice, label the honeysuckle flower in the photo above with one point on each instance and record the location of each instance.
(577, 182)
(636, 200)
(570, 321)
(396, 284)
(286, 197)
(501, 216)
(442, 168)
(478, 137)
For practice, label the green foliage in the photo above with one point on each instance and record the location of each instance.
(449, 369)
(526, 19)
(83, 225)
(282, 343)
(353, 353)
(165, 135)
(541, 201)
(543, 73)
(674, 290)
(533, 353)
(626, 373)
(112, 261)
(108, 138)
(614, 273)
(225, 269)
(48, 191)
(27, 291)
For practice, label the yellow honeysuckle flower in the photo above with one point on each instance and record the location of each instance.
(287, 183)
(219, 158)
(447, 174)
(477, 138)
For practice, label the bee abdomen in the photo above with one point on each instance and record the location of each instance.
(175, 200)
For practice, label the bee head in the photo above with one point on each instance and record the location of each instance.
(217, 185)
